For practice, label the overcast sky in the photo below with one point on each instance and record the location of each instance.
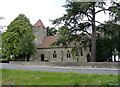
(35, 9)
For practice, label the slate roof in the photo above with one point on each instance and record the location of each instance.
(39, 24)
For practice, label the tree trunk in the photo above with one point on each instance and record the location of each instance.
(15, 58)
(114, 58)
(118, 54)
(93, 47)
(24, 57)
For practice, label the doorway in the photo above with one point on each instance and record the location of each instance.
(88, 57)
(42, 57)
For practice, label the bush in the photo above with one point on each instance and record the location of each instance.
(46, 60)
(112, 83)
(4, 61)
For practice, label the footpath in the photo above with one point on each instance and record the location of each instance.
(74, 69)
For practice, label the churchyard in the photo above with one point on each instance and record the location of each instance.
(88, 43)
(21, 77)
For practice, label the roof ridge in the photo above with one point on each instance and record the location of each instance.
(54, 35)
(39, 24)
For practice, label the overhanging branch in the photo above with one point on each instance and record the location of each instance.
(101, 11)
(86, 20)
(87, 32)
(85, 13)
(98, 22)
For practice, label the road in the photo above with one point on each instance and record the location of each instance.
(60, 69)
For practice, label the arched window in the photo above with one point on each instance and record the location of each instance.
(68, 54)
(54, 54)
(42, 57)
(88, 57)
(81, 52)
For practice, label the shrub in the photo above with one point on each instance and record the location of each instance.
(4, 61)
(112, 83)
(46, 60)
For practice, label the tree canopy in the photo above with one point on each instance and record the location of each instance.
(0, 44)
(51, 31)
(111, 30)
(15, 32)
(80, 17)
(26, 47)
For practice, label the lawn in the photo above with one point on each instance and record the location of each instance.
(21, 77)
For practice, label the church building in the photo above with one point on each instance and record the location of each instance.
(45, 52)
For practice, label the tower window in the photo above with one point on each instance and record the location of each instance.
(35, 40)
(68, 54)
(54, 54)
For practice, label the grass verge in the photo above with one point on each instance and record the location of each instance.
(21, 77)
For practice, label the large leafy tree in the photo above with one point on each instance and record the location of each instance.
(26, 46)
(0, 44)
(110, 41)
(111, 38)
(1, 28)
(19, 25)
(15, 32)
(9, 42)
(80, 17)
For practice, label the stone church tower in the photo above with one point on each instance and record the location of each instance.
(39, 31)
(57, 53)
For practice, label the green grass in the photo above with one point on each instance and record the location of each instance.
(21, 77)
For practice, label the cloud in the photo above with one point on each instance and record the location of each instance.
(33, 9)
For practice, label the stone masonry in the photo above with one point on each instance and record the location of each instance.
(46, 52)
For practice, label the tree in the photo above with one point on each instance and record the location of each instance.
(8, 44)
(111, 39)
(51, 31)
(103, 49)
(63, 30)
(15, 32)
(0, 45)
(111, 30)
(81, 16)
(1, 18)
(26, 47)
(1, 27)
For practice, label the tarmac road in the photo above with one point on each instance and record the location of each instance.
(60, 69)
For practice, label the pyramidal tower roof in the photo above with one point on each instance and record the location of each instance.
(39, 24)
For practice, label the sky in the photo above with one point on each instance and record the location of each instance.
(45, 10)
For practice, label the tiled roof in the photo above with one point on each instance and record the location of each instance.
(48, 41)
(39, 24)
(51, 39)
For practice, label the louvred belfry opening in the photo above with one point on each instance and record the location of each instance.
(39, 24)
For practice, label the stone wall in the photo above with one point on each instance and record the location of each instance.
(39, 33)
(61, 55)
(70, 64)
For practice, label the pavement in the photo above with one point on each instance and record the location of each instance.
(61, 69)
